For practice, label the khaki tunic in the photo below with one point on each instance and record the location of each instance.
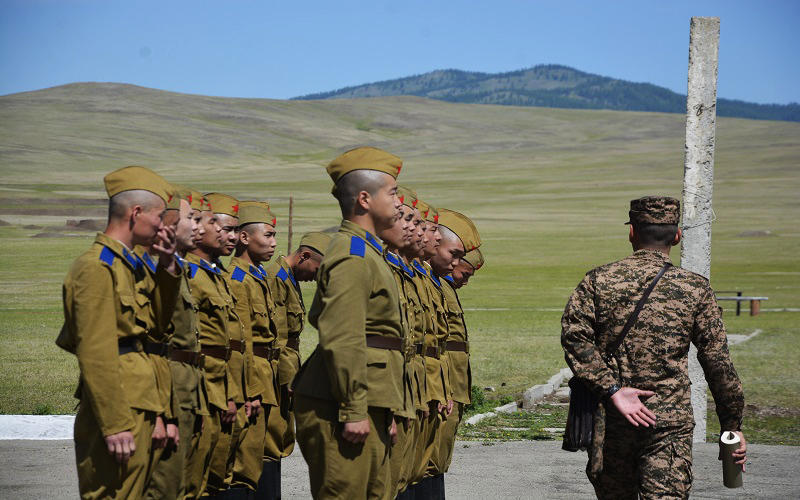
(346, 381)
(117, 392)
(289, 320)
(356, 296)
(460, 374)
(210, 293)
(437, 379)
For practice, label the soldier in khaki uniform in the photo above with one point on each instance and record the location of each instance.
(171, 478)
(459, 235)
(643, 426)
(165, 435)
(104, 323)
(215, 311)
(400, 236)
(283, 276)
(347, 391)
(233, 422)
(256, 308)
(467, 266)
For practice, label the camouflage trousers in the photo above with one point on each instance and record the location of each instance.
(646, 463)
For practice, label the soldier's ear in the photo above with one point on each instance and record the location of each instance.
(244, 238)
(631, 236)
(677, 238)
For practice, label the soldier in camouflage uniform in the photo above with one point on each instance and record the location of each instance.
(645, 448)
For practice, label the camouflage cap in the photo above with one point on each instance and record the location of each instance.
(363, 158)
(474, 258)
(317, 241)
(654, 210)
(222, 204)
(462, 226)
(136, 178)
(197, 201)
(408, 197)
(252, 212)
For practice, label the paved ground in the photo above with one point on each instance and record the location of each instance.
(529, 469)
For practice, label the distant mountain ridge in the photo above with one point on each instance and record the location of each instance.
(553, 86)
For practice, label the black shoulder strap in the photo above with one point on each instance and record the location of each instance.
(635, 314)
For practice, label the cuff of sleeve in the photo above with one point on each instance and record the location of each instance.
(353, 411)
(730, 425)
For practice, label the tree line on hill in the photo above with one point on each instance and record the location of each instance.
(552, 86)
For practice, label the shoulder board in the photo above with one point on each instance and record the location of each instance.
(107, 256)
(357, 246)
(450, 279)
(132, 259)
(149, 262)
(421, 270)
(208, 267)
(238, 274)
(193, 269)
(393, 259)
(374, 242)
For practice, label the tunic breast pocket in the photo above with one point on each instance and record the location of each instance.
(260, 317)
(294, 317)
(128, 307)
(377, 358)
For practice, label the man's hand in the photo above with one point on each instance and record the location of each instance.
(740, 454)
(159, 434)
(165, 247)
(248, 409)
(393, 431)
(356, 432)
(229, 416)
(450, 404)
(626, 401)
(121, 446)
(256, 407)
(173, 436)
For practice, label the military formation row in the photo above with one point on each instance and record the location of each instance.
(190, 371)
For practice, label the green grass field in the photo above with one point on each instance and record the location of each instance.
(548, 189)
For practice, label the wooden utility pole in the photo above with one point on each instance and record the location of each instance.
(698, 179)
(289, 230)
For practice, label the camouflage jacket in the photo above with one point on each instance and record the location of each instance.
(654, 354)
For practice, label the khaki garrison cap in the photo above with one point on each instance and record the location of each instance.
(251, 212)
(176, 193)
(408, 197)
(363, 158)
(654, 210)
(136, 178)
(317, 240)
(423, 209)
(222, 204)
(462, 226)
(432, 215)
(197, 201)
(474, 258)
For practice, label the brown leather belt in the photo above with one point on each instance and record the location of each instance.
(129, 344)
(219, 352)
(157, 348)
(457, 345)
(293, 343)
(266, 351)
(432, 351)
(389, 343)
(236, 346)
(188, 357)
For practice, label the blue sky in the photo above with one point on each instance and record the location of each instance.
(284, 49)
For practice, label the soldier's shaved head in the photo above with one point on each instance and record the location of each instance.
(448, 235)
(354, 182)
(120, 203)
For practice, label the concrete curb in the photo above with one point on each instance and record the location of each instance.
(536, 393)
(40, 427)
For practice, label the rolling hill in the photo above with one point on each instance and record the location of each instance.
(551, 86)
